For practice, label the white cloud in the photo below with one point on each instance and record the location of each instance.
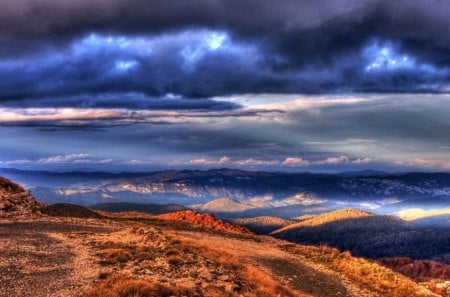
(60, 159)
(288, 162)
(294, 161)
(426, 163)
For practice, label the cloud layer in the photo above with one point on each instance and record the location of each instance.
(338, 84)
(92, 50)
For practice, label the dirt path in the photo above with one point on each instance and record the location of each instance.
(303, 278)
(45, 259)
(300, 274)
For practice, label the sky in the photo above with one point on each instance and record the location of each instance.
(305, 85)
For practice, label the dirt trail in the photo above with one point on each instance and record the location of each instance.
(45, 259)
(299, 273)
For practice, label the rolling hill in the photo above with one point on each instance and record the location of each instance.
(264, 224)
(369, 235)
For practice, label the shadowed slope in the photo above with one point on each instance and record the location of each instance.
(334, 216)
(371, 236)
(150, 208)
(69, 210)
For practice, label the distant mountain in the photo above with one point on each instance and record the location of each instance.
(149, 208)
(227, 205)
(419, 213)
(437, 221)
(379, 191)
(15, 200)
(363, 173)
(263, 225)
(370, 235)
(425, 203)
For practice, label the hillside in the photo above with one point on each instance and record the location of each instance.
(203, 220)
(155, 257)
(264, 224)
(371, 236)
(331, 217)
(14, 200)
(437, 221)
(150, 208)
(418, 269)
(69, 210)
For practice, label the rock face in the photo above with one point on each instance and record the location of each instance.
(205, 220)
(15, 200)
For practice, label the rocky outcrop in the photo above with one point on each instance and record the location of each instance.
(15, 200)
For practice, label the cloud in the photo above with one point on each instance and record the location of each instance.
(60, 159)
(287, 162)
(295, 161)
(112, 117)
(336, 160)
(68, 54)
(425, 163)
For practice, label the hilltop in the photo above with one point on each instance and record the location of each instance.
(331, 217)
(263, 224)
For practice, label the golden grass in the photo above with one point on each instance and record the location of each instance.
(256, 282)
(367, 273)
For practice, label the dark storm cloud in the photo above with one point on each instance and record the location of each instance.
(126, 100)
(272, 47)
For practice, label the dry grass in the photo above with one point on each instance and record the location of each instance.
(115, 256)
(205, 270)
(369, 274)
(254, 281)
(122, 286)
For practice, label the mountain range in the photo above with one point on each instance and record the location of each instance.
(247, 193)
